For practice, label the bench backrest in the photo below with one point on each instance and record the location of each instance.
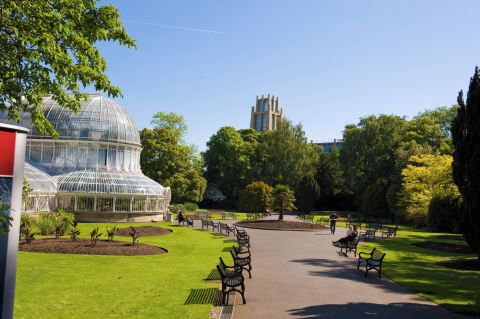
(221, 270)
(227, 214)
(377, 255)
(202, 214)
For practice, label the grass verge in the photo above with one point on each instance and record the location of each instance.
(88, 286)
(414, 268)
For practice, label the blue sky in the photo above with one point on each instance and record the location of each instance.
(329, 62)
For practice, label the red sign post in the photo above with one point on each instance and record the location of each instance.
(12, 158)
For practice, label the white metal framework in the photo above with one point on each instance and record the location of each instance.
(93, 166)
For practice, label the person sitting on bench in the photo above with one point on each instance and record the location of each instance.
(180, 216)
(352, 233)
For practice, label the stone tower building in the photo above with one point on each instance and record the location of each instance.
(266, 114)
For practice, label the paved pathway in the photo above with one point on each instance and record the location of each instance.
(301, 275)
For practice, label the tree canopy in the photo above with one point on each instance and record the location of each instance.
(48, 47)
(170, 163)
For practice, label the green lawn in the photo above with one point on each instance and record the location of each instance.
(414, 268)
(86, 286)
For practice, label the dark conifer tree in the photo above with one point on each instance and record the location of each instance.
(466, 160)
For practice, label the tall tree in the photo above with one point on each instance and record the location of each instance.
(48, 47)
(286, 156)
(466, 160)
(227, 163)
(166, 161)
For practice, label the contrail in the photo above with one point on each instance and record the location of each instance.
(175, 27)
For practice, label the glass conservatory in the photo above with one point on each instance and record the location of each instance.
(93, 168)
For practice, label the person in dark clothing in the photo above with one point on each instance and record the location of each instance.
(180, 216)
(333, 222)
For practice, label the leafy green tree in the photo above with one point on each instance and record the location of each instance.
(255, 198)
(166, 161)
(282, 199)
(368, 152)
(175, 124)
(48, 47)
(172, 122)
(227, 163)
(329, 177)
(307, 193)
(187, 186)
(286, 156)
(466, 160)
(424, 177)
(374, 203)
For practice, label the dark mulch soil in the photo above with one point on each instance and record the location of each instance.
(283, 224)
(144, 231)
(82, 246)
(451, 237)
(450, 248)
(461, 264)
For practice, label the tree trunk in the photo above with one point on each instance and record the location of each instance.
(280, 215)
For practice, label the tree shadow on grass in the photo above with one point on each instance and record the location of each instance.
(204, 296)
(372, 310)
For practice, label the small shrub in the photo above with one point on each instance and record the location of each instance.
(74, 232)
(27, 233)
(255, 197)
(45, 224)
(134, 234)
(111, 232)
(190, 206)
(94, 236)
(64, 219)
(26, 228)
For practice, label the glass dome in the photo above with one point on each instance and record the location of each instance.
(93, 168)
(100, 119)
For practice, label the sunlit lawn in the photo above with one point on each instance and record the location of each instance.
(89, 286)
(414, 268)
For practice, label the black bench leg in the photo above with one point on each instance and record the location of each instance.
(379, 272)
(366, 271)
(224, 294)
(243, 294)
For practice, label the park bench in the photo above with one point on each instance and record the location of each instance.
(226, 228)
(250, 216)
(244, 250)
(228, 215)
(388, 231)
(370, 231)
(204, 223)
(231, 281)
(241, 262)
(350, 246)
(202, 215)
(211, 223)
(243, 240)
(187, 221)
(372, 260)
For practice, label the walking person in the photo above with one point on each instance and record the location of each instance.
(333, 222)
